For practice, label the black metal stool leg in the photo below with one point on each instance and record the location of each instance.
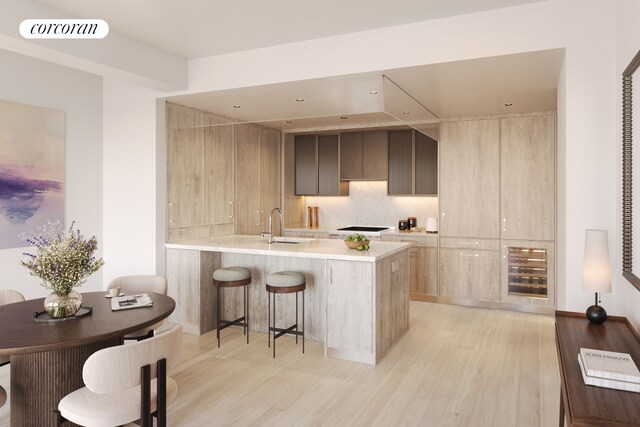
(218, 314)
(274, 325)
(303, 328)
(296, 318)
(246, 310)
(269, 320)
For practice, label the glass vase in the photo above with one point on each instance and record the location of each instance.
(62, 305)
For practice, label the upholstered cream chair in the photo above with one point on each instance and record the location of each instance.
(126, 383)
(7, 296)
(130, 285)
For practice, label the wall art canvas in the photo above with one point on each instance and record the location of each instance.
(32, 143)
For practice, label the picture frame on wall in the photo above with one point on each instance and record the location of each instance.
(32, 169)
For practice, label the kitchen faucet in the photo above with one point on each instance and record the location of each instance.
(270, 232)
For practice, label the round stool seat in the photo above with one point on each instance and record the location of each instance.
(231, 274)
(285, 282)
(3, 396)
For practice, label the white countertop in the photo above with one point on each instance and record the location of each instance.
(392, 232)
(307, 248)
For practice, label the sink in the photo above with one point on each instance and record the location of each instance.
(292, 240)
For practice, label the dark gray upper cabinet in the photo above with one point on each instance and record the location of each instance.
(374, 155)
(426, 165)
(306, 165)
(363, 155)
(400, 162)
(413, 164)
(351, 155)
(317, 166)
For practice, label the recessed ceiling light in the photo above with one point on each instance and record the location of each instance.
(373, 92)
(300, 99)
(405, 112)
(236, 106)
(289, 121)
(508, 104)
(344, 117)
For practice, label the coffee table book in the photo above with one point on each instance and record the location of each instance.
(607, 383)
(130, 301)
(609, 365)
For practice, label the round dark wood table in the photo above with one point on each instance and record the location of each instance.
(47, 358)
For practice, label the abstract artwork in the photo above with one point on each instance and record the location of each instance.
(31, 169)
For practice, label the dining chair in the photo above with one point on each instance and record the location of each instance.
(125, 384)
(7, 296)
(130, 285)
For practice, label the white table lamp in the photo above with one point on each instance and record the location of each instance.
(596, 270)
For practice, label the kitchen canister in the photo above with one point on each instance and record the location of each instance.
(403, 224)
(413, 222)
(432, 225)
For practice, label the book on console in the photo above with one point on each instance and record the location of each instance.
(607, 383)
(609, 365)
(127, 302)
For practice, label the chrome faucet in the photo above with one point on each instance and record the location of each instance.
(271, 238)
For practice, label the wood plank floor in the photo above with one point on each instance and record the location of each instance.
(457, 366)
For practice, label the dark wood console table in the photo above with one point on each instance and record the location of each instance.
(47, 359)
(589, 405)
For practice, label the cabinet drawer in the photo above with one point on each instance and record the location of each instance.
(415, 240)
(464, 243)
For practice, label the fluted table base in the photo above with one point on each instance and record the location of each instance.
(40, 380)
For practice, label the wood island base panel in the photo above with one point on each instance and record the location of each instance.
(356, 303)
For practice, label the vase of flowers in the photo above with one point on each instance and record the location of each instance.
(63, 260)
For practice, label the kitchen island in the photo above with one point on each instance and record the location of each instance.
(356, 303)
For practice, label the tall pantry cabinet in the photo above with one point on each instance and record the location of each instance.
(257, 178)
(199, 173)
(469, 265)
(497, 210)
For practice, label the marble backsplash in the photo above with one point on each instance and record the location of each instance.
(369, 204)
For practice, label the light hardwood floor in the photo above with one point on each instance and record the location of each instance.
(455, 366)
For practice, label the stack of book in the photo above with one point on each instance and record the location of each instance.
(609, 369)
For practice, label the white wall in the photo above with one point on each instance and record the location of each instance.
(130, 181)
(585, 28)
(628, 44)
(79, 94)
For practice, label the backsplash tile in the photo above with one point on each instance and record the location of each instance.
(368, 204)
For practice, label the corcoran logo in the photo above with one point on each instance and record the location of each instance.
(64, 29)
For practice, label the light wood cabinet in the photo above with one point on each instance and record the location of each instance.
(469, 179)
(423, 262)
(317, 166)
(363, 155)
(470, 270)
(200, 149)
(257, 177)
(527, 178)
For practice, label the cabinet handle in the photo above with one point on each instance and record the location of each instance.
(231, 207)
(468, 243)
(469, 255)
(443, 214)
(504, 224)
(170, 205)
(258, 218)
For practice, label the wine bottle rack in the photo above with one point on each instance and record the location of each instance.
(527, 272)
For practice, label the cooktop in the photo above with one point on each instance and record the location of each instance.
(363, 228)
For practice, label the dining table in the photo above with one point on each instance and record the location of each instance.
(47, 358)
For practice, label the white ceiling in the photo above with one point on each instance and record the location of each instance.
(199, 28)
(478, 87)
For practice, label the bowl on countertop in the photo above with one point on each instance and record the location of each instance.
(354, 245)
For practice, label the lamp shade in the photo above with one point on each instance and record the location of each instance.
(596, 269)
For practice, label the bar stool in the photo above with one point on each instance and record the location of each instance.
(285, 282)
(231, 277)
